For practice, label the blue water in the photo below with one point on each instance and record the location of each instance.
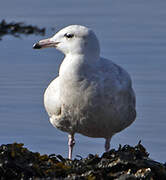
(131, 33)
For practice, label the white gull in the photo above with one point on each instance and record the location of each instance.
(92, 95)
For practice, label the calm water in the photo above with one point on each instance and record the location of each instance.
(132, 33)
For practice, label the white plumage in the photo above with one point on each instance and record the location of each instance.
(92, 96)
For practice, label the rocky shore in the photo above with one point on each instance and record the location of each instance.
(126, 163)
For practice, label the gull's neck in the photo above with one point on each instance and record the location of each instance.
(72, 62)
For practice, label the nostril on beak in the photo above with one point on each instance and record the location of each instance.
(37, 46)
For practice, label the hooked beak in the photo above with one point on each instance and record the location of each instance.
(45, 43)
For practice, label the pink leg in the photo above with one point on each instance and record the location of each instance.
(71, 143)
(107, 144)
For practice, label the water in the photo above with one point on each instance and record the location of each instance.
(132, 33)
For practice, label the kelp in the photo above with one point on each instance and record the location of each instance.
(18, 28)
(17, 162)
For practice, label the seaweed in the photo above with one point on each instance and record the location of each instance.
(17, 162)
(17, 28)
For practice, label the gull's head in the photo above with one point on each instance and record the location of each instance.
(73, 39)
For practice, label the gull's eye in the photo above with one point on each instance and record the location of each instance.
(67, 35)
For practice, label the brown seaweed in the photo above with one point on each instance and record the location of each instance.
(17, 162)
(18, 28)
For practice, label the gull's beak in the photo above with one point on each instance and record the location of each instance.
(45, 43)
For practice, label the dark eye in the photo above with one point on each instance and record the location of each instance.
(69, 35)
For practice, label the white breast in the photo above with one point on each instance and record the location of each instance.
(51, 98)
